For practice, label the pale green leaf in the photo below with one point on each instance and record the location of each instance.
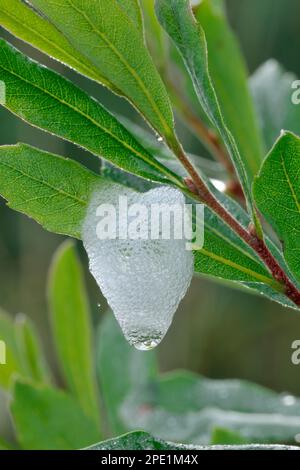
(30, 350)
(14, 363)
(121, 368)
(272, 91)
(184, 407)
(70, 320)
(49, 419)
(23, 352)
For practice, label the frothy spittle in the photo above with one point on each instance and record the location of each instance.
(143, 280)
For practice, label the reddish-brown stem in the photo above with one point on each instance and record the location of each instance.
(197, 186)
(209, 138)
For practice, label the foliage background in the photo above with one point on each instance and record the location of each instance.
(217, 331)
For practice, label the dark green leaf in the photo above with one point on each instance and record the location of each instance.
(277, 194)
(72, 330)
(26, 24)
(219, 230)
(47, 100)
(52, 190)
(144, 441)
(100, 30)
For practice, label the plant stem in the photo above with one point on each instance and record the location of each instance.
(207, 136)
(198, 187)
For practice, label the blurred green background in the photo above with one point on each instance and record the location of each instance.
(218, 332)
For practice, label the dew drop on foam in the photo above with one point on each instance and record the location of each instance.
(142, 280)
(146, 345)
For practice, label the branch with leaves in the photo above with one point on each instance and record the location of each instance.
(97, 43)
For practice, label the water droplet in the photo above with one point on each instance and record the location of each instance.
(160, 139)
(220, 185)
(143, 280)
(297, 438)
(146, 345)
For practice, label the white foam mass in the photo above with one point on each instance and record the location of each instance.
(142, 280)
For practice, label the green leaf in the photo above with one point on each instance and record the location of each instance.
(224, 436)
(143, 441)
(272, 90)
(24, 355)
(5, 445)
(277, 193)
(47, 100)
(70, 320)
(101, 31)
(133, 10)
(14, 364)
(230, 78)
(30, 350)
(187, 408)
(155, 37)
(49, 419)
(177, 18)
(52, 190)
(227, 259)
(24, 23)
(230, 265)
(121, 368)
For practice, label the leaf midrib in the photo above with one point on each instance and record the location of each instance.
(232, 264)
(56, 46)
(151, 162)
(140, 82)
(82, 202)
(289, 182)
